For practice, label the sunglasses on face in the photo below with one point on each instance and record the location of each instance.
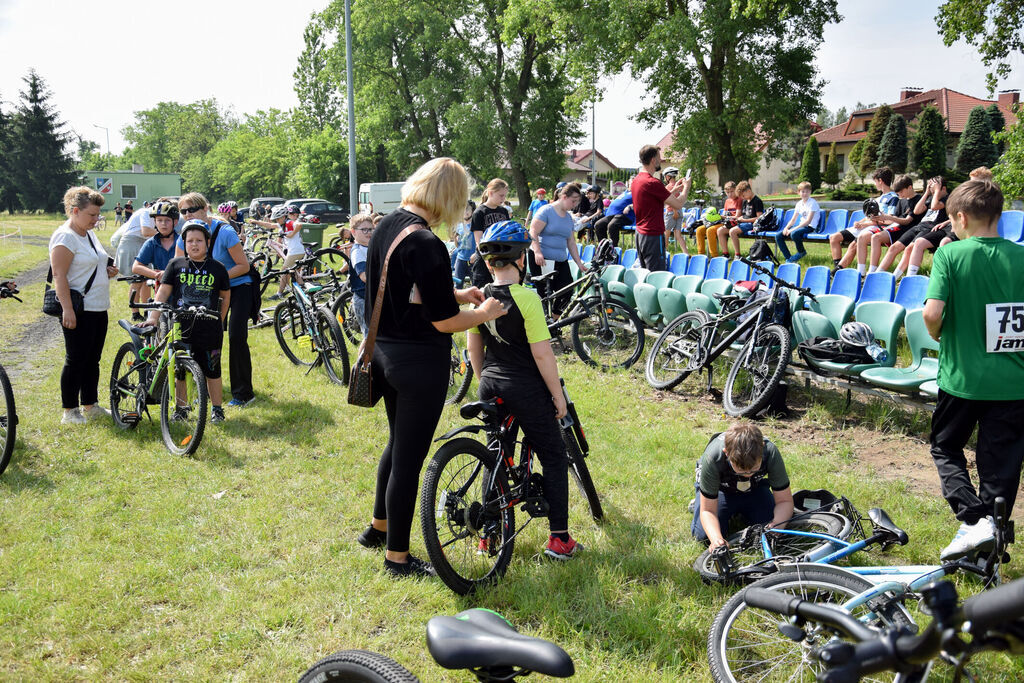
(190, 210)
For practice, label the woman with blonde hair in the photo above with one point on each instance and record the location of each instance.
(79, 263)
(411, 359)
(491, 210)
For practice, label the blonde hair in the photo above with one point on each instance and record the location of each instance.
(440, 186)
(80, 197)
(495, 185)
(744, 445)
(194, 199)
(742, 186)
(981, 173)
(360, 218)
(806, 186)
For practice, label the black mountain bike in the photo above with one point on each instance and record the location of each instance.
(694, 340)
(471, 490)
(8, 413)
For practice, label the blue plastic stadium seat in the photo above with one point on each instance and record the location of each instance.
(716, 268)
(878, 286)
(910, 293)
(588, 253)
(834, 222)
(816, 279)
(854, 217)
(761, 277)
(628, 258)
(845, 282)
(618, 254)
(1011, 225)
(678, 265)
(738, 270)
(698, 265)
(790, 272)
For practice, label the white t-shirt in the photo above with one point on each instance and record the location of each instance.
(139, 220)
(803, 208)
(294, 243)
(88, 257)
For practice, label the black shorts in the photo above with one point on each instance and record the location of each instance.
(847, 237)
(898, 231)
(934, 237)
(208, 360)
(908, 237)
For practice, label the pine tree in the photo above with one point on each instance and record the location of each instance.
(928, 148)
(8, 197)
(997, 122)
(42, 168)
(869, 156)
(831, 176)
(855, 158)
(892, 151)
(976, 147)
(810, 169)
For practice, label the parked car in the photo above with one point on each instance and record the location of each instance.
(273, 201)
(325, 211)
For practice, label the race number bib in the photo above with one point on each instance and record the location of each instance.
(1004, 328)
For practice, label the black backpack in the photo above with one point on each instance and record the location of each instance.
(834, 350)
(760, 251)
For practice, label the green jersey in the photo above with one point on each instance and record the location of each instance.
(981, 352)
(507, 352)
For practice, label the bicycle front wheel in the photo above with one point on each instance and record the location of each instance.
(183, 405)
(677, 352)
(792, 548)
(293, 334)
(124, 387)
(461, 374)
(745, 644)
(346, 317)
(333, 352)
(580, 473)
(468, 531)
(8, 420)
(358, 666)
(756, 372)
(612, 336)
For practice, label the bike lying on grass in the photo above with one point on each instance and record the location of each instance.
(477, 639)
(8, 413)
(470, 492)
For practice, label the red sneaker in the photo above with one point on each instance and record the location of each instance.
(558, 549)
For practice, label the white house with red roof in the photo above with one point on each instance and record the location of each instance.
(578, 166)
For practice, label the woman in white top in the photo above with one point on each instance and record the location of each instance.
(76, 257)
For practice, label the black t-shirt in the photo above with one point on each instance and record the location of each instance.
(198, 284)
(483, 218)
(508, 356)
(420, 259)
(584, 206)
(751, 207)
(128, 211)
(905, 208)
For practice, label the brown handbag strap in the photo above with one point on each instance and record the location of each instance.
(371, 332)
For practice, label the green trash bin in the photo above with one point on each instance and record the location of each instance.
(313, 232)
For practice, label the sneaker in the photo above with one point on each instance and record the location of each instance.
(414, 567)
(796, 257)
(558, 549)
(95, 411)
(179, 415)
(72, 417)
(372, 538)
(217, 415)
(274, 297)
(239, 403)
(970, 537)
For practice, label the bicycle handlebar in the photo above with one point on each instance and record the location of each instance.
(793, 606)
(761, 269)
(135, 278)
(198, 311)
(9, 290)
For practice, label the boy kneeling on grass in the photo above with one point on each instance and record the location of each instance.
(196, 280)
(740, 472)
(512, 356)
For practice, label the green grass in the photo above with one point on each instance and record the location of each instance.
(119, 561)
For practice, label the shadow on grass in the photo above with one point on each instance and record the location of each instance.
(16, 478)
(872, 412)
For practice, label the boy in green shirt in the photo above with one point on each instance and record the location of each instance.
(974, 308)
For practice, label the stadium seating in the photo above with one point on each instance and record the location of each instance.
(910, 293)
(878, 286)
(704, 299)
(1011, 225)
(738, 270)
(836, 307)
(834, 222)
(587, 254)
(816, 279)
(716, 268)
(623, 291)
(845, 282)
(790, 272)
(628, 258)
(883, 317)
(672, 300)
(854, 217)
(922, 368)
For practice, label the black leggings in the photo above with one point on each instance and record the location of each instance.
(240, 360)
(531, 403)
(413, 380)
(560, 279)
(609, 226)
(83, 347)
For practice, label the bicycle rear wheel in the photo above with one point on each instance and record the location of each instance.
(461, 374)
(745, 644)
(293, 334)
(334, 353)
(756, 371)
(125, 379)
(8, 420)
(612, 336)
(468, 534)
(346, 317)
(797, 548)
(580, 473)
(183, 405)
(677, 352)
(358, 666)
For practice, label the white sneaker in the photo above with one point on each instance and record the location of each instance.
(970, 537)
(72, 417)
(95, 411)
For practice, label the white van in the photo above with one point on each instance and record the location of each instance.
(383, 197)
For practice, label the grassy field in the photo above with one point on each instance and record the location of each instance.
(118, 561)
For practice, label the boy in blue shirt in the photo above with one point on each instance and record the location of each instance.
(158, 250)
(362, 228)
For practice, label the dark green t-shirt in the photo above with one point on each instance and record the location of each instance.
(716, 474)
(507, 354)
(981, 352)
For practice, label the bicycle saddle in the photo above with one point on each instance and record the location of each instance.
(542, 278)
(137, 332)
(479, 638)
(311, 245)
(881, 520)
(727, 298)
(471, 411)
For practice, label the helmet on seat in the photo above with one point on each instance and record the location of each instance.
(858, 334)
(605, 252)
(166, 209)
(504, 240)
(768, 220)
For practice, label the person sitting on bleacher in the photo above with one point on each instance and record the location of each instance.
(750, 210)
(805, 217)
(908, 214)
(887, 202)
(618, 215)
(934, 221)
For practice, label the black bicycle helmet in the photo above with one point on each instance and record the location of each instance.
(870, 208)
(504, 240)
(766, 221)
(605, 252)
(166, 209)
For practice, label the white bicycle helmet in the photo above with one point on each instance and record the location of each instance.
(279, 211)
(858, 334)
(671, 170)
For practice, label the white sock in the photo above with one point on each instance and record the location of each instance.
(912, 270)
(897, 274)
(860, 268)
(872, 269)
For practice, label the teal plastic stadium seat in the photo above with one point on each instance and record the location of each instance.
(922, 368)
(836, 307)
(672, 303)
(574, 270)
(660, 278)
(623, 291)
(885, 319)
(611, 274)
(808, 325)
(687, 284)
(647, 306)
(930, 388)
(704, 299)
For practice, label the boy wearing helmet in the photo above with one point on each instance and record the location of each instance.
(541, 200)
(198, 280)
(158, 250)
(512, 356)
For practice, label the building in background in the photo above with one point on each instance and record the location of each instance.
(578, 166)
(136, 185)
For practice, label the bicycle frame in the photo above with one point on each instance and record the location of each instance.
(557, 322)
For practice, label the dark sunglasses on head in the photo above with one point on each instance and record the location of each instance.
(190, 210)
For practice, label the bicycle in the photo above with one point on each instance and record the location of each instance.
(470, 492)
(140, 377)
(461, 374)
(8, 410)
(741, 641)
(309, 334)
(605, 332)
(476, 639)
(694, 340)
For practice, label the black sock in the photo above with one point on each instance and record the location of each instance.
(563, 536)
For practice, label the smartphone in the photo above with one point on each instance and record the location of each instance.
(688, 172)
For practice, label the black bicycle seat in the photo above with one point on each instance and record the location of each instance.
(881, 520)
(471, 411)
(140, 330)
(727, 298)
(542, 278)
(478, 638)
(312, 245)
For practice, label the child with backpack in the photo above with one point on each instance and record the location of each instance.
(750, 210)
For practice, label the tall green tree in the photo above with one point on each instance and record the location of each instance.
(892, 150)
(855, 158)
(723, 78)
(1009, 172)
(997, 122)
(320, 101)
(168, 135)
(257, 157)
(992, 26)
(789, 148)
(976, 147)
(810, 169)
(869, 154)
(928, 147)
(831, 175)
(8, 194)
(42, 168)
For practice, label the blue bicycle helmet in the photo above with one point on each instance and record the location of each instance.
(505, 240)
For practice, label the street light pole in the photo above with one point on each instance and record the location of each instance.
(352, 189)
(593, 144)
(107, 130)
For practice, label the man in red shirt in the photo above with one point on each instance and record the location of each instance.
(650, 196)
